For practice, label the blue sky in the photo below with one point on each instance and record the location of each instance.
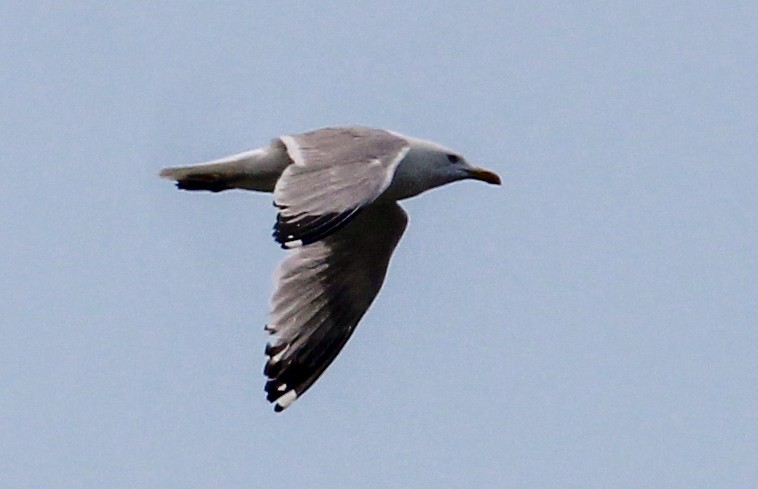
(591, 323)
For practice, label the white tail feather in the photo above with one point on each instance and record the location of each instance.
(258, 169)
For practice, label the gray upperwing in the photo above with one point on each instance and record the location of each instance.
(335, 172)
(321, 293)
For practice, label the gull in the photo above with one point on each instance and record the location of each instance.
(336, 191)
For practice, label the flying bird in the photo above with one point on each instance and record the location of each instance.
(336, 191)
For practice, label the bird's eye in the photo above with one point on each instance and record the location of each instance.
(453, 158)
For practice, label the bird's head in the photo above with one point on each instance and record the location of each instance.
(456, 167)
(428, 165)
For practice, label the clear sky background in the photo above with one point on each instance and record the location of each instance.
(589, 324)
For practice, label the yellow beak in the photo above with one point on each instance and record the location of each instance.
(484, 175)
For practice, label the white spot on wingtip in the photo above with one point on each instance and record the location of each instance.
(287, 399)
(280, 355)
(282, 388)
(297, 243)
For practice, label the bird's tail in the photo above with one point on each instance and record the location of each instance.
(258, 169)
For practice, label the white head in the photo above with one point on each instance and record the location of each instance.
(428, 165)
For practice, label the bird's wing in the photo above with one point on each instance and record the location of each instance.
(335, 173)
(322, 291)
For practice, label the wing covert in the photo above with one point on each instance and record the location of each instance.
(335, 172)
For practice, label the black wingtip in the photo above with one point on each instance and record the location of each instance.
(271, 394)
(293, 232)
(211, 183)
(272, 349)
(273, 369)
